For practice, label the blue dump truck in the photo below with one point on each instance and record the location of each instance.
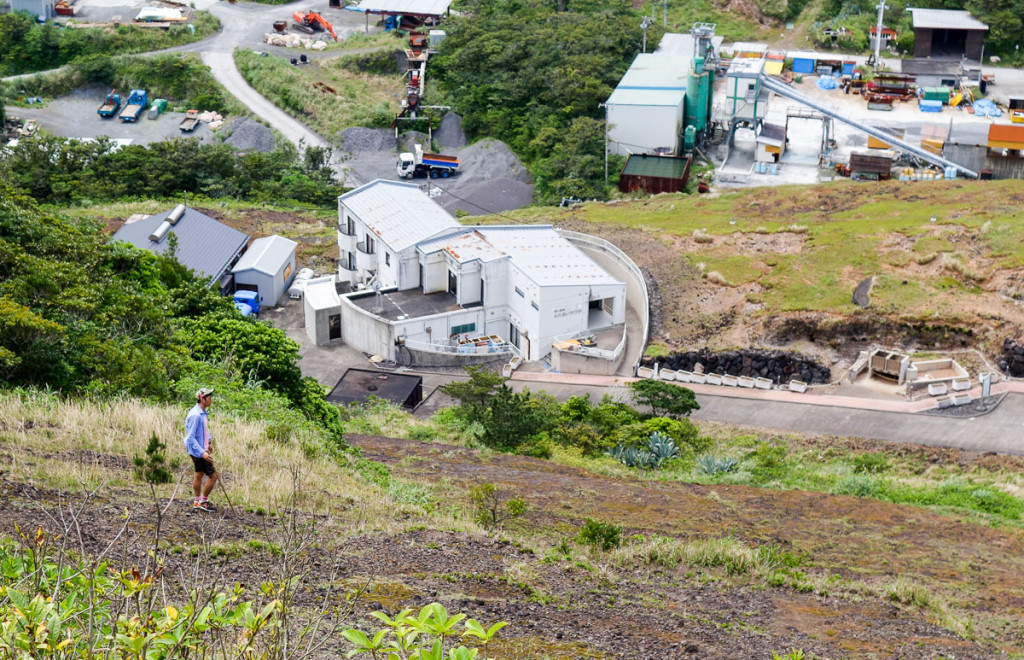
(111, 104)
(134, 106)
(247, 303)
(421, 164)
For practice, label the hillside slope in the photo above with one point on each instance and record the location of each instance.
(719, 571)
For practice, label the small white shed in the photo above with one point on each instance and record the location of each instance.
(321, 309)
(267, 267)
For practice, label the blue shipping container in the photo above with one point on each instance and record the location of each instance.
(930, 106)
(803, 65)
(848, 68)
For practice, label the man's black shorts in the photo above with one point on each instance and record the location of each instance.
(203, 465)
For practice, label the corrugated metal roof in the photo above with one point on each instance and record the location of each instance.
(655, 71)
(656, 166)
(681, 45)
(772, 134)
(545, 257)
(204, 244)
(401, 214)
(803, 54)
(469, 245)
(266, 255)
(748, 47)
(657, 97)
(422, 7)
(945, 19)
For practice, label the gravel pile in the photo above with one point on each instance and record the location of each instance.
(410, 139)
(358, 139)
(449, 135)
(485, 197)
(249, 135)
(491, 159)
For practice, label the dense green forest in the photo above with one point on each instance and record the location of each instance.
(59, 171)
(533, 73)
(26, 45)
(82, 315)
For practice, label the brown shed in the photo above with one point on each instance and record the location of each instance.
(871, 165)
(947, 34)
(654, 174)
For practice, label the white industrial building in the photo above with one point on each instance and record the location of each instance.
(321, 308)
(425, 283)
(267, 267)
(645, 112)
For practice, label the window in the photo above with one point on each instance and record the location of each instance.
(387, 258)
(520, 292)
(534, 305)
(463, 329)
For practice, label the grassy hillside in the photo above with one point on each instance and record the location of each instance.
(722, 569)
(941, 253)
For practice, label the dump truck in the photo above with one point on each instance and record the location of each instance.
(134, 106)
(111, 104)
(247, 303)
(421, 164)
(189, 123)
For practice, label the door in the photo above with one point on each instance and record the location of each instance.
(334, 326)
(453, 284)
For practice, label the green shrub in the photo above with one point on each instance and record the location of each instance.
(711, 464)
(860, 485)
(602, 535)
(870, 463)
(152, 468)
(492, 507)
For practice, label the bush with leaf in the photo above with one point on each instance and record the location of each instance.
(658, 450)
(430, 634)
(601, 535)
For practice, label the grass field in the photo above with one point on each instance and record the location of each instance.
(361, 98)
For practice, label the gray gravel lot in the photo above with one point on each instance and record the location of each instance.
(246, 134)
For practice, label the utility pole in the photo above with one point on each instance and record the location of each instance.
(646, 23)
(878, 36)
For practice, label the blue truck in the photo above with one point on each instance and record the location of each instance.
(247, 303)
(135, 105)
(111, 104)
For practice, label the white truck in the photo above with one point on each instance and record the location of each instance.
(421, 164)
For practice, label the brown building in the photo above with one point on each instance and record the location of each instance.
(948, 34)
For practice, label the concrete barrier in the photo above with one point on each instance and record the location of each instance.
(961, 384)
(730, 381)
(644, 372)
(763, 383)
(797, 386)
(697, 378)
(666, 374)
(746, 381)
(714, 379)
(684, 376)
(961, 399)
(937, 389)
(943, 402)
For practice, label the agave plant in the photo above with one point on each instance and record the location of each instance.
(662, 447)
(710, 464)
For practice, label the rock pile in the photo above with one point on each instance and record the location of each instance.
(1012, 360)
(779, 366)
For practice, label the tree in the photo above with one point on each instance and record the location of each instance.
(665, 399)
(475, 394)
(513, 418)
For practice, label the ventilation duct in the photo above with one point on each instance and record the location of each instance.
(160, 232)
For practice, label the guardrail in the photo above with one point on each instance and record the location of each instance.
(578, 238)
(450, 349)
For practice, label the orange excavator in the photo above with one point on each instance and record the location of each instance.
(310, 22)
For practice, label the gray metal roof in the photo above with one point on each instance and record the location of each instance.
(421, 7)
(945, 19)
(266, 255)
(401, 214)
(205, 245)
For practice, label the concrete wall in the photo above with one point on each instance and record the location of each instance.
(415, 358)
(44, 8)
(571, 362)
(365, 332)
(642, 129)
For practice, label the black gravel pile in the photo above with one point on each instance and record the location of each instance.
(1012, 360)
(779, 366)
(449, 135)
(358, 139)
(250, 135)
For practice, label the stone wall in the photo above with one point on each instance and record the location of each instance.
(1012, 359)
(779, 366)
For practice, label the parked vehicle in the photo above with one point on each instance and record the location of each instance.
(421, 164)
(135, 105)
(247, 303)
(111, 104)
(310, 22)
(189, 123)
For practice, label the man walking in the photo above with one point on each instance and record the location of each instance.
(197, 444)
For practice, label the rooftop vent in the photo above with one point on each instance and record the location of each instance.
(176, 214)
(165, 226)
